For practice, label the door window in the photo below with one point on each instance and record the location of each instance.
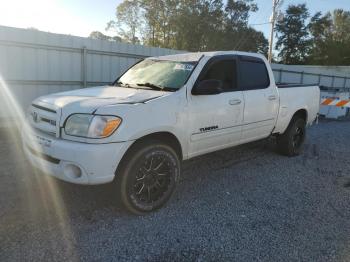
(225, 71)
(253, 75)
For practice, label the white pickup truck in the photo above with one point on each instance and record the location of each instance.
(161, 111)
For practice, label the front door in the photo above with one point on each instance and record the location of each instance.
(215, 120)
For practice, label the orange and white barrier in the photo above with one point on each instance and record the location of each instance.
(335, 102)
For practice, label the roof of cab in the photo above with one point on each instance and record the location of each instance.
(193, 57)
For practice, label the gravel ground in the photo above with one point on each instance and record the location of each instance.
(242, 204)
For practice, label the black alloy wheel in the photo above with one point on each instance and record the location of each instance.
(149, 177)
(290, 143)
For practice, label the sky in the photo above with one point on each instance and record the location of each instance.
(80, 17)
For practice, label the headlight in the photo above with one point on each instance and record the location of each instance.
(91, 126)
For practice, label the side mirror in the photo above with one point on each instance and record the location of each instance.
(208, 87)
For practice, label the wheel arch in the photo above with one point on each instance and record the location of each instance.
(163, 136)
(301, 113)
(284, 122)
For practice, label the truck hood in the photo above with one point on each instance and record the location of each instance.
(89, 99)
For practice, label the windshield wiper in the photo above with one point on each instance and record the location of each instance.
(156, 87)
(119, 83)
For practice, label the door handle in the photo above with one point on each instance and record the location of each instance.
(272, 97)
(235, 102)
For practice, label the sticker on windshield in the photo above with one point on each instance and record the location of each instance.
(186, 67)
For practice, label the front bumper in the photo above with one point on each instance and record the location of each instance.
(75, 162)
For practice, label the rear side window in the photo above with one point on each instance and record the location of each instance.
(225, 71)
(253, 75)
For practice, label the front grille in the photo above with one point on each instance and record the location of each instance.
(44, 119)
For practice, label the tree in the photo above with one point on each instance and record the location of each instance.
(159, 17)
(212, 24)
(101, 36)
(255, 41)
(151, 13)
(320, 26)
(237, 34)
(192, 25)
(198, 25)
(341, 25)
(98, 35)
(237, 12)
(182, 24)
(331, 38)
(340, 44)
(320, 29)
(293, 40)
(128, 21)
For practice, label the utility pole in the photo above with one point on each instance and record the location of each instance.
(275, 8)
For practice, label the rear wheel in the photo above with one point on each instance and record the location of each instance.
(148, 177)
(290, 143)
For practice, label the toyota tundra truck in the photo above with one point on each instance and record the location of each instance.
(163, 110)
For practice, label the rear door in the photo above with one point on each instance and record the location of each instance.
(260, 96)
(215, 120)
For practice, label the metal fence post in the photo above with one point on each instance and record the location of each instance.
(319, 79)
(280, 76)
(84, 66)
(302, 77)
(332, 85)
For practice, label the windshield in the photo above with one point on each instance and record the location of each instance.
(157, 74)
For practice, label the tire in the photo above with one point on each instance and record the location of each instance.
(148, 177)
(290, 143)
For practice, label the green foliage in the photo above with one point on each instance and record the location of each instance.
(237, 34)
(193, 25)
(325, 40)
(101, 36)
(197, 25)
(320, 30)
(293, 40)
(331, 38)
(128, 21)
(237, 12)
(158, 21)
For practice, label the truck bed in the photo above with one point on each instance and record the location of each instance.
(294, 97)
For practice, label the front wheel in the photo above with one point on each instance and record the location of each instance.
(148, 177)
(290, 143)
